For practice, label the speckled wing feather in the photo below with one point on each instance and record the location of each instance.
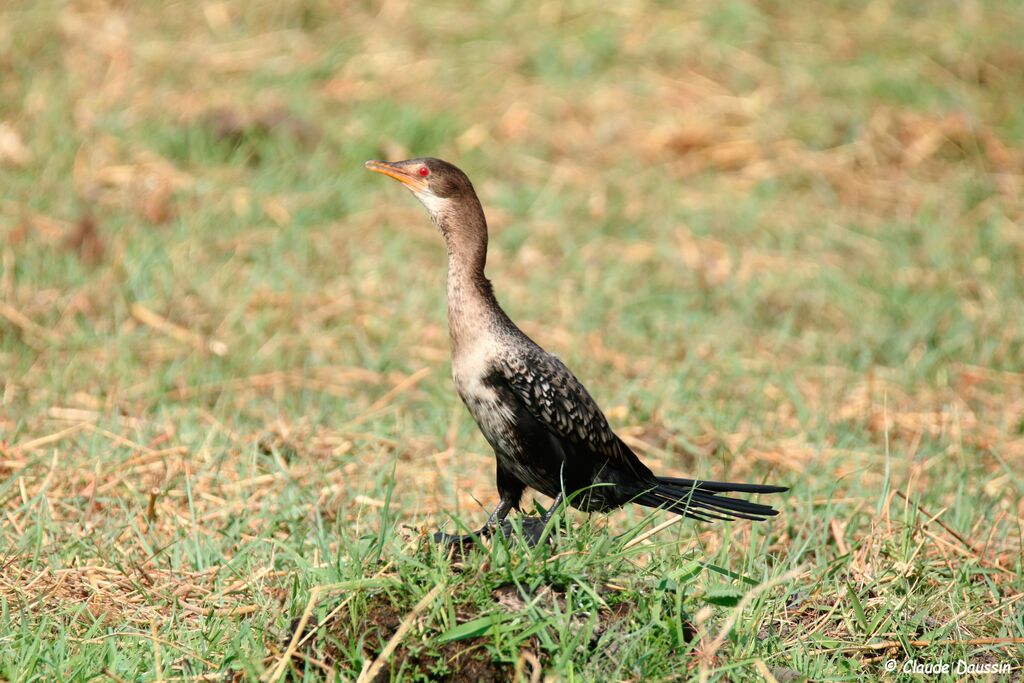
(552, 394)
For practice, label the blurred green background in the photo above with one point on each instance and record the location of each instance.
(776, 241)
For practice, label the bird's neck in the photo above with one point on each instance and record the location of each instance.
(472, 309)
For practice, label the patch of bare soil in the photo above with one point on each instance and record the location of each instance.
(461, 660)
(419, 654)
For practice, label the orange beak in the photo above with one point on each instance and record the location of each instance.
(411, 180)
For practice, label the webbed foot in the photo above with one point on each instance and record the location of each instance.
(533, 529)
(461, 541)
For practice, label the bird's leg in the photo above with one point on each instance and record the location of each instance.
(505, 506)
(557, 503)
(533, 527)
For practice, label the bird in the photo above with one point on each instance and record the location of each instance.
(547, 432)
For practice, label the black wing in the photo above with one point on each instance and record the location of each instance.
(552, 394)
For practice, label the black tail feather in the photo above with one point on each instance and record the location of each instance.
(699, 500)
(718, 501)
(722, 486)
(735, 508)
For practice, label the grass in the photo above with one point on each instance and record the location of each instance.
(776, 247)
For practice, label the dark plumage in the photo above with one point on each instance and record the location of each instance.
(546, 431)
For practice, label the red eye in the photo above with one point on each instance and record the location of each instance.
(424, 171)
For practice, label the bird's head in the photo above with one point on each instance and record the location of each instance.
(442, 188)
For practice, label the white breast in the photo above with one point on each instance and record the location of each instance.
(469, 367)
(496, 419)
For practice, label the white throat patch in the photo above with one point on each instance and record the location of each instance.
(431, 201)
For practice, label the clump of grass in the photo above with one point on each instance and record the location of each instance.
(584, 601)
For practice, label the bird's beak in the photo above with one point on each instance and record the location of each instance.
(413, 181)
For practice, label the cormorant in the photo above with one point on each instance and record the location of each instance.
(546, 431)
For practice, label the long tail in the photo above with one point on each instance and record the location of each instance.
(700, 499)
